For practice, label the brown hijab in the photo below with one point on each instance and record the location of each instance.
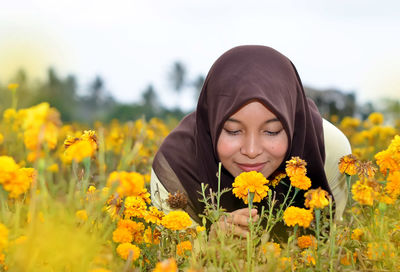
(188, 156)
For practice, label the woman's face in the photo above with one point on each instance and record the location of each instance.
(252, 139)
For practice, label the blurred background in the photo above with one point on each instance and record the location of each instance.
(125, 59)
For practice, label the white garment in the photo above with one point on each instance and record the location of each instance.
(336, 146)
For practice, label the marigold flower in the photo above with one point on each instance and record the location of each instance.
(53, 168)
(122, 235)
(129, 183)
(168, 265)
(79, 151)
(81, 215)
(301, 182)
(176, 220)
(154, 216)
(366, 169)
(306, 241)
(347, 165)
(308, 257)
(200, 229)
(182, 247)
(393, 185)
(386, 162)
(132, 226)
(152, 238)
(272, 248)
(13, 86)
(177, 200)
(356, 234)
(126, 249)
(316, 198)
(7, 168)
(377, 251)
(363, 194)
(376, 118)
(20, 182)
(135, 207)
(253, 182)
(296, 167)
(277, 178)
(346, 259)
(297, 216)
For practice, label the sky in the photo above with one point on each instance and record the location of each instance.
(350, 45)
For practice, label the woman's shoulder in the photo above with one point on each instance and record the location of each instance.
(336, 143)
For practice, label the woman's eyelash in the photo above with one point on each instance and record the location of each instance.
(272, 133)
(232, 132)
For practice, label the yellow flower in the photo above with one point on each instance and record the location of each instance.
(122, 235)
(126, 249)
(20, 182)
(347, 165)
(362, 193)
(297, 216)
(152, 238)
(356, 234)
(53, 168)
(182, 247)
(13, 86)
(7, 168)
(393, 184)
(132, 226)
(272, 248)
(154, 216)
(81, 215)
(128, 183)
(386, 161)
(346, 259)
(376, 118)
(253, 182)
(168, 265)
(296, 167)
(308, 257)
(176, 220)
(377, 251)
(3, 237)
(316, 199)
(200, 229)
(301, 182)
(1, 138)
(306, 241)
(135, 207)
(99, 270)
(277, 178)
(79, 150)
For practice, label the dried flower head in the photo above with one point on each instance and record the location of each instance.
(366, 169)
(177, 200)
(347, 165)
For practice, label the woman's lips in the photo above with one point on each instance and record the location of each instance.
(251, 167)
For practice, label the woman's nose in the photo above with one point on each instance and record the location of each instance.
(251, 146)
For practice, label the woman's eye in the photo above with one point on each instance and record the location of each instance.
(272, 133)
(232, 132)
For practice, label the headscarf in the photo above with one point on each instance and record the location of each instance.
(188, 156)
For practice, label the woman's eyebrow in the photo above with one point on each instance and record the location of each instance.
(266, 122)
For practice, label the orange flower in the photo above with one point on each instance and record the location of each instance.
(296, 167)
(316, 198)
(301, 182)
(306, 241)
(182, 247)
(176, 220)
(297, 216)
(253, 182)
(126, 249)
(347, 165)
(168, 265)
(393, 184)
(356, 234)
(363, 194)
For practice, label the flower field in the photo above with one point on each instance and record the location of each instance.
(74, 198)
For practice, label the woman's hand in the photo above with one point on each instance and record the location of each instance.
(236, 222)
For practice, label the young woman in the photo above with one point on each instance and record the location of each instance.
(252, 114)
